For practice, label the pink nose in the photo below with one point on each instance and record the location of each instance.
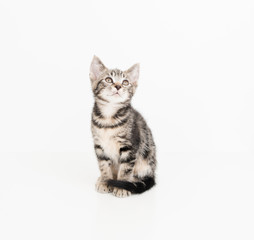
(117, 87)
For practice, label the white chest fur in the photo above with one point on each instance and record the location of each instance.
(109, 110)
(106, 138)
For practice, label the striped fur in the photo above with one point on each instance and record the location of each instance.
(123, 142)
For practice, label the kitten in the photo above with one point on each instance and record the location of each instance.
(123, 142)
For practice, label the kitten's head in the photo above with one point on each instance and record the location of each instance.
(113, 85)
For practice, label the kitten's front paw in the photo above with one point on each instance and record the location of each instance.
(102, 187)
(121, 192)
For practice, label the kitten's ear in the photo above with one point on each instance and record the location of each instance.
(96, 68)
(133, 73)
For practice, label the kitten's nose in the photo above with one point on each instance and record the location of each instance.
(117, 87)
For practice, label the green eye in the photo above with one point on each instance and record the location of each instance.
(125, 82)
(109, 80)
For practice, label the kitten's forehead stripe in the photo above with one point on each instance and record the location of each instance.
(117, 73)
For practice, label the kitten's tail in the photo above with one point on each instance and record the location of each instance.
(134, 187)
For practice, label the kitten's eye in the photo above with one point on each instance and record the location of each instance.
(125, 82)
(109, 80)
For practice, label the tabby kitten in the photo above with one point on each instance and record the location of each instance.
(123, 142)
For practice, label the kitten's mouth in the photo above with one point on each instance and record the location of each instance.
(116, 94)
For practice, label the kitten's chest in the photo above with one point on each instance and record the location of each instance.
(108, 140)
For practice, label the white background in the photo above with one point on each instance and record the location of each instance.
(195, 90)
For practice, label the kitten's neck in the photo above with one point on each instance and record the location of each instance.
(109, 109)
